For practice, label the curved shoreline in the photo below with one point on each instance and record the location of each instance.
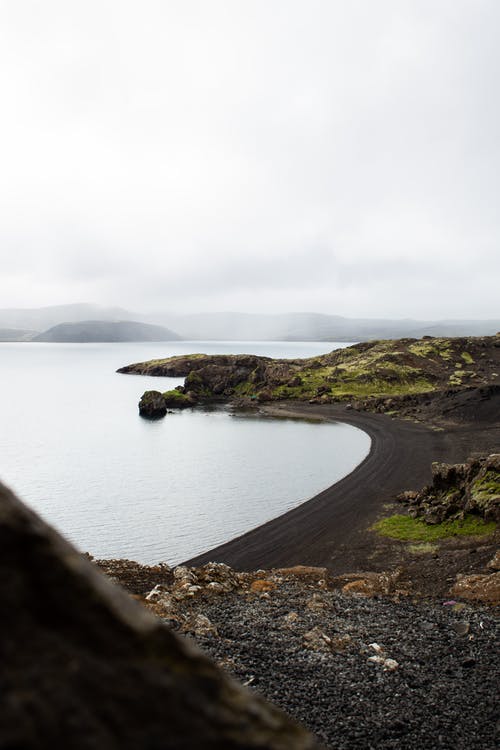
(331, 529)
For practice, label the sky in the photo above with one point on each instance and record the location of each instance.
(336, 156)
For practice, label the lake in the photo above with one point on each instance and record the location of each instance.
(74, 448)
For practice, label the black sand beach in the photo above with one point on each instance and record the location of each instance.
(331, 529)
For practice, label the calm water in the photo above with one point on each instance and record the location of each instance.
(74, 448)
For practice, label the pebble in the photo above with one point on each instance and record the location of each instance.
(424, 683)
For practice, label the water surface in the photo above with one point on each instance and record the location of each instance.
(74, 448)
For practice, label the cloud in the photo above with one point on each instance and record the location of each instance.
(335, 156)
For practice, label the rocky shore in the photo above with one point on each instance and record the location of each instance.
(356, 659)
(403, 377)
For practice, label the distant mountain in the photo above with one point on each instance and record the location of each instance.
(233, 326)
(315, 327)
(16, 334)
(41, 318)
(103, 330)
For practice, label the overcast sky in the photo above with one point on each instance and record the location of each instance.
(338, 156)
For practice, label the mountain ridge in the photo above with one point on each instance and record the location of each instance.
(231, 326)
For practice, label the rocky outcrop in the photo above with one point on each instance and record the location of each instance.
(84, 666)
(152, 405)
(478, 588)
(399, 377)
(471, 487)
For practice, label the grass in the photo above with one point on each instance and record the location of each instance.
(415, 530)
(424, 548)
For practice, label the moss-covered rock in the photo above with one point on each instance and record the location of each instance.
(177, 399)
(152, 405)
(367, 373)
(457, 490)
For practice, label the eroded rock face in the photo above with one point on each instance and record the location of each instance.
(85, 666)
(471, 487)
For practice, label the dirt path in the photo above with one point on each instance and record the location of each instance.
(331, 529)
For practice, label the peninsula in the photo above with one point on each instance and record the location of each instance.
(420, 400)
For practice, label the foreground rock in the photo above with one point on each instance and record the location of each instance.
(458, 489)
(83, 666)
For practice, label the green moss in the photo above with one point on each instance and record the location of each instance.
(467, 358)
(415, 530)
(176, 398)
(431, 349)
(456, 378)
(488, 486)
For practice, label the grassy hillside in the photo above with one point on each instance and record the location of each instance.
(369, 370)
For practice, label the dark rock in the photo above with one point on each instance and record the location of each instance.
(152, 405)
(178, 399)
(84, 666)
(458, 489)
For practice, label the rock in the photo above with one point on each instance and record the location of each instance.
(203, 626)
(341, 643)
(494, 564)
(390, 665)
(152, 405)
(316, 603)
(371, 584)
(291, 618)
(461, 628)
(302, 570)
(162, 596)
(83, 665)
(177, 399)
(376, 659)
(220, 574)
(316, 640)
(184, 575)
(262, 586)
(458, 489)
(479, 587)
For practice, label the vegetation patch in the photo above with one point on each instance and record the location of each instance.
(485, 488)
(177, 399)
(409, 529)
(467, 358)
(425, 548)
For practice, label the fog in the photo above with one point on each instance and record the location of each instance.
(260, 156)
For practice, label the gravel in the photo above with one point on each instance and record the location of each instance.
(442, 692)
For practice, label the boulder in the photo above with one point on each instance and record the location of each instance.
(479, 587)
(152, 405)
(84, 666)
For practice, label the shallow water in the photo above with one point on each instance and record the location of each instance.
(74, 448)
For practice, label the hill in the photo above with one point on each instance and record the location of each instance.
(106, 331)
(16, 334)
(383, 375)
(237, 326)
(305, 326)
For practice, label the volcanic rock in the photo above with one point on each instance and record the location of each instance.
(152, 405)
(84, 666)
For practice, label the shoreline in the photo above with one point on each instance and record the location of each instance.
(331, 529)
